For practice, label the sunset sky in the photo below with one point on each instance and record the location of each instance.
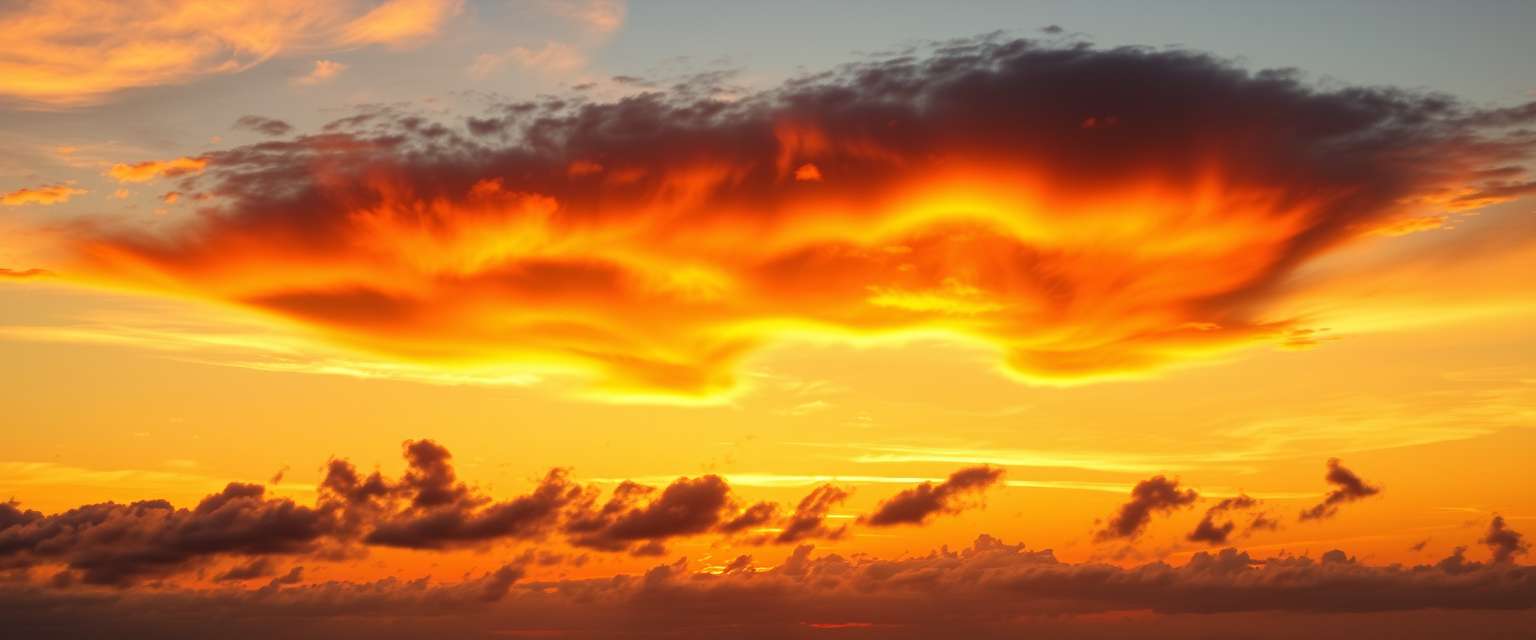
(578, 318)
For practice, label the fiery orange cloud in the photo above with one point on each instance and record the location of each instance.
(654, 243)
(151, 169)
(44, 195)
(76, 52)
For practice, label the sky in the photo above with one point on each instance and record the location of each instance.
(585, 318)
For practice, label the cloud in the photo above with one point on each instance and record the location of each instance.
(1209, 532)
(1152, 496)
(426, 508)
(263, 125)
(24, 273)
(400, 22)
(260, 567)
(1348, 488)
(989, 589)
(688, 506)
(44, 195)
(151, 169)
(1505, 543)
(601, 17)
(552, 58)
(963, 204)
(810, 516)
(324, 71)
(74, 52)
(429, 508)
(918, 504)
(118, 545)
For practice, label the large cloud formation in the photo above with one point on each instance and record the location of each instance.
(1088, 212)
(989, 590)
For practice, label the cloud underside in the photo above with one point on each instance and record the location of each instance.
(1087, 213)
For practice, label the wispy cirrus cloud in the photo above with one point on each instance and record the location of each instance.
(69, 53)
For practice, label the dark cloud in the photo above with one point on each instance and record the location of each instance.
(1149, 497)
(987, 590)
(430, 508)
(1212, 533)
(918, 504)
(688, 506)
(1348, 487)
(629, 201)
(115, 544)
(427, 507)
(758, 515)
(1503, 542)
(260, 567)
(263, 125)
(810, 517)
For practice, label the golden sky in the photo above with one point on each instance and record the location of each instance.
(1015, 333)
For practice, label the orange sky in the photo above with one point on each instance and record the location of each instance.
(1130, 306)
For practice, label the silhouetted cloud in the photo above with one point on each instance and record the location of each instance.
(430, 508)
(1503, 542)
(810, 516)
(114, 544)
(1348, 487)
(1154, 495)
(685, 507)
(259, 567)
(918, 504)
(1209, 532)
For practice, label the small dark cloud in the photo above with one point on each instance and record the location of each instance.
(688, 506)
(1214, 533)
(1149, 497)
(1503, 542)
(918, 504)
(255, 568)
(263, 125)
(1348, 487)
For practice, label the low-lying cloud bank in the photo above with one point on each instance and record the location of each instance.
(990, 589)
